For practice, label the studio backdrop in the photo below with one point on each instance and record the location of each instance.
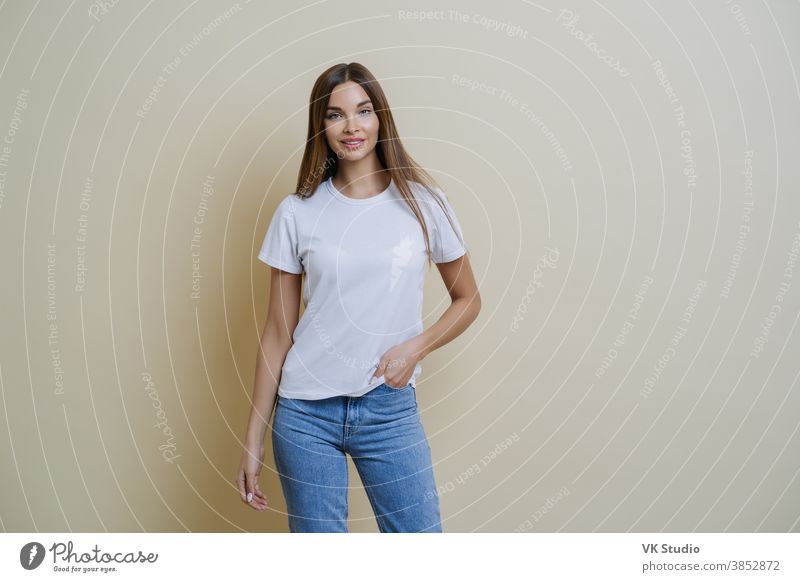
(626, 178)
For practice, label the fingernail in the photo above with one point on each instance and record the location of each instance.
(249, 497)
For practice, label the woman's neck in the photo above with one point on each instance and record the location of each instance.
(361, 179)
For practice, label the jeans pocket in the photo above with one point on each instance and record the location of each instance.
(390, 404)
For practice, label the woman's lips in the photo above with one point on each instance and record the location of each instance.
(356, 143)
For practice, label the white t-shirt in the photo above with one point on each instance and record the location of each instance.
(364, 263)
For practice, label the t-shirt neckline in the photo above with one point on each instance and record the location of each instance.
(371, 200)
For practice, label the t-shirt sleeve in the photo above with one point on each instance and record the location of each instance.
(446, 244)
(279, 248)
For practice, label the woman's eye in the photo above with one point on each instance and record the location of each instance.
(332, 115)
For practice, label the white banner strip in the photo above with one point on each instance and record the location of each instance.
(331, 557)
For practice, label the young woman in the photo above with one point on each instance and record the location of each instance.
(363, 225)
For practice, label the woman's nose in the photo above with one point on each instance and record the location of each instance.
(351, 123)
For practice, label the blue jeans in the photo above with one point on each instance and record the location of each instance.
(382, 432)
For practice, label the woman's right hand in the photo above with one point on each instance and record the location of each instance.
(247, 478)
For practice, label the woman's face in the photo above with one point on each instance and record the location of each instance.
(350, 117)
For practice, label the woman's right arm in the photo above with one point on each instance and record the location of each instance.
(283, 313)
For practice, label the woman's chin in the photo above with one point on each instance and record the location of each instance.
(354, 155)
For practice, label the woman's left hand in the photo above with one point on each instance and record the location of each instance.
(397, 364)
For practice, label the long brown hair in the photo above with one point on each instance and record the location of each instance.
(320, 162)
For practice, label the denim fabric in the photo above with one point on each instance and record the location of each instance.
(382, 432)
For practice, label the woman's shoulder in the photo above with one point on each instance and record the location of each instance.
(296, 201)
(431, 198)
(426, 195)
(286, 204)
(422, 190)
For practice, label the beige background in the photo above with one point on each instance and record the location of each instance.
(570, 144)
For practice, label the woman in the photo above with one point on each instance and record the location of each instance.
(361, 226)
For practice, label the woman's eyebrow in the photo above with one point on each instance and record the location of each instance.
(359, 105)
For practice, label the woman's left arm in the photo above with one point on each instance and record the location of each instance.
(466, 304)
(464, 308)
